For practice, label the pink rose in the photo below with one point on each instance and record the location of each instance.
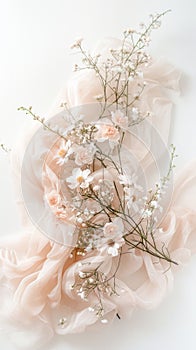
(85, 154)
(53, 198)
(114, 228)
(107, 132)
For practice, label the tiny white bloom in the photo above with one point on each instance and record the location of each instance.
(79, 220)
(113, 250)
(140, 74)
(91, 280)
(147, 213)
(131, 78)
(77, 43)
(91, 309)
(104, 320)
(82, 274)
(135, 113)
(82, 295)
(154, 204)
(160, 230)
(117, 69)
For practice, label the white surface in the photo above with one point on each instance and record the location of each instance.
(34, 62)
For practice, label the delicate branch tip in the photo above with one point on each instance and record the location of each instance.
(25, 109)
(4, 148)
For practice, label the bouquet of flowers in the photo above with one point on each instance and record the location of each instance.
(97, 183)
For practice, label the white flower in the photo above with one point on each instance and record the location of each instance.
(130, 181)
(154, 204)
(147, 213)
(120, 119)
(131, 188)
(140, 74)
(85, 154)
(131, 199)
(91, 309)
(127, 180)
(135, 113)
(82, 295)
(79, 178)
(113, 236)
(77, 43)
(64, 152)
(117, 69)
(131, 78)
(114, 246)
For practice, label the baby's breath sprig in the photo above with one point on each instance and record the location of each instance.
(94, 281)
(147, 241)
(152, 202)
(123, 66)
(46, 124)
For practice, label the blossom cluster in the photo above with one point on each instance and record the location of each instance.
(94, 195)
(107, 207)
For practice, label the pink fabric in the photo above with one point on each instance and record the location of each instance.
(37, 273)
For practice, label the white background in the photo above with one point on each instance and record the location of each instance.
(35, 63)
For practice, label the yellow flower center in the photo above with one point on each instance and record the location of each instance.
(62, 153)
(80, 179)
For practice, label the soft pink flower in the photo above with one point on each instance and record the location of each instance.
(113, 236)
(85, 154)
(107, 132)
(114, 228)
(53, 198)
